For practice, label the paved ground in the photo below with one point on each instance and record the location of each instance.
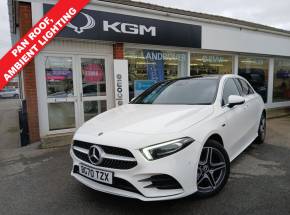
(34, 181)
(9, 124)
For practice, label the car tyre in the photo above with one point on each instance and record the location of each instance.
(262, 130)
(213, 169)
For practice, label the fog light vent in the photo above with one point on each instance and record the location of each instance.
(162, 182)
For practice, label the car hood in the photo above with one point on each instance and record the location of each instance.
(147, 119)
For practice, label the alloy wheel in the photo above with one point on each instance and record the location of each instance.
(211, 170)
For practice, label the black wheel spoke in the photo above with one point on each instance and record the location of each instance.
(201, 178)
(218, 166)
(209, 155)
(211, 180)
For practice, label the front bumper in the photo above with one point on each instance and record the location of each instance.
(182, 166)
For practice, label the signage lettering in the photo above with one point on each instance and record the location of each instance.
(128, 28)
(212, 59)
(153, 55)
(121, 82)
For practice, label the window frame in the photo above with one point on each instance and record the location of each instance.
(251, 91)
(222, 94)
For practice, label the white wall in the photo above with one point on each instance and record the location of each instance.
(225, 38)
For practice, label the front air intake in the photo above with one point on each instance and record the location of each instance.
(162, 182)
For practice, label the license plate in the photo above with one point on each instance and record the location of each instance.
(96, 174)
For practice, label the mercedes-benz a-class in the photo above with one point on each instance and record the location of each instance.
(175, 139)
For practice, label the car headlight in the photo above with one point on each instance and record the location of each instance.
(167, 148)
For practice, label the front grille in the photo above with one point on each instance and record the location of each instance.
(118, 183)
(115, 159)
(162, 182)
(108, 149)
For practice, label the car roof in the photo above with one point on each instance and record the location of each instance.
(217, 77)
(213, 76)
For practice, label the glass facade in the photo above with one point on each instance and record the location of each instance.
(61, 115)
(147, 67)
(93, 108)
(94, 85)
(281, 84)
(93, 77)
(210, 64)
(59, 76)
(256, 71)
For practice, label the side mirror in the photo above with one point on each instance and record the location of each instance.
(235, 100)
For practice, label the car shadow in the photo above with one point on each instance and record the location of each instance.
(123, 205)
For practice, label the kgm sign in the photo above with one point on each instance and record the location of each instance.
(106, 26)
(118, 27)
(129, 28)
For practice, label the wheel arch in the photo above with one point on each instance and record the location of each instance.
(216, 137)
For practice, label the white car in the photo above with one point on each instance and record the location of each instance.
(9, 93)
(175, 139)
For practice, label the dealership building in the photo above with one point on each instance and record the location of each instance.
(113, 50)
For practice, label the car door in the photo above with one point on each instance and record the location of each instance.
(252, 109)
(235, 120)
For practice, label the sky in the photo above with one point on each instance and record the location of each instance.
(267, 12)
(5, 41)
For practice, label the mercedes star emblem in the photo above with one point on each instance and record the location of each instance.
(95, 155)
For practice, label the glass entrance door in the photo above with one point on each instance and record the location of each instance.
(93, 92)
(61, 93)
(76, 89)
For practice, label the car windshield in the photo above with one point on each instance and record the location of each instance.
(195, 91)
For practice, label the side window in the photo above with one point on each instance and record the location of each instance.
(230, 88)
(240, 88)
(246, 89)
(251, 90)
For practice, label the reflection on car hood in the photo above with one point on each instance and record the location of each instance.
(147, 119)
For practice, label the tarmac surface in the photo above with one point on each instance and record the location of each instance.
(9, 124)
(38, 181)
